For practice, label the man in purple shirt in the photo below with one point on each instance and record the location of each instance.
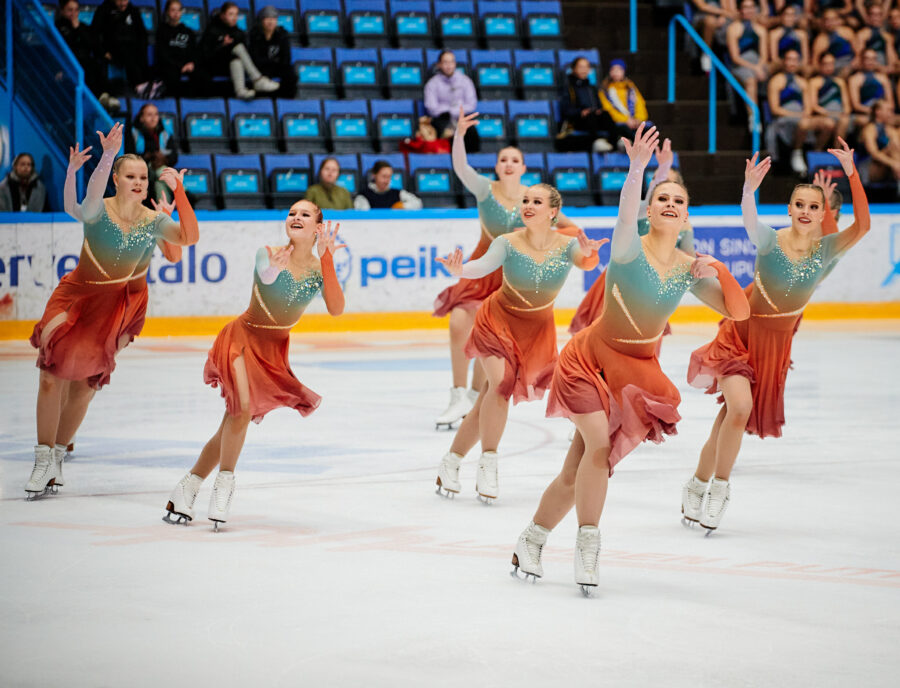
(445, 92)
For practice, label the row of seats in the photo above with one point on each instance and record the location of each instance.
(265, 126)
(277, 180)
(422, 23)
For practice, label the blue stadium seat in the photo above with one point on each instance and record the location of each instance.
(532, 124)
(412, 23)
(150, 15)
(367, 22)
(499, 23)
(253, 124)
(168, 113)
(245, 13)
(301, 125)
(820, 160)
(565, 58)
(536, 171)
(316, 75)
(349, 124)
(455, 23)
(359, 72)
(493, 125)
(493, 74)
(349, 177)
(536, 71)
(432, 57)
(397, 162)
(433, 180)
(205, 124)
(322, 22)
(486, 163)
(611, 170)
(287, 16)
(571, 174)
(288, 177)
(199, 182)
(195, 15)
(543, 24)
(404, 72)
(241, 181)
(393, 121)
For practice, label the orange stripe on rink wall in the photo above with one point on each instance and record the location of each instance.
(199, 326)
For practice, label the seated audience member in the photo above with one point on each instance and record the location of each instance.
(83, 43)
(622, 101)
(177, 54)
(867, 86)
(223, 49)
(327, 193)
(581, 111)
(447, 91)
(836, 39)
(379, 194)
(270, 49)
(711, 18)
(882, 142)
(22, 190)
(828, 96)
(748, 49)
(874, 36)
(786, 35)
(156, 146)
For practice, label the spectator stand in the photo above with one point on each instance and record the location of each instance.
(288, 177)
(302, 125)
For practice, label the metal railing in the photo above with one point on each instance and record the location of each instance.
(633, 26)
(718, 66)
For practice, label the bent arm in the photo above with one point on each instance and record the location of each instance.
(762, 236)
(478, 185)
(723, 294)
(625, 234)
(187, 231)
(267, 272)
(331, 288)
(70, 197)
(490, 261)
(861, 220)
(93, 197)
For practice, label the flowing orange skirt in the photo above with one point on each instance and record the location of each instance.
(469, 293)
(136, 312)
(526, 340)
(640, 402)
(271, 381)
(758, 349)
(84, 345)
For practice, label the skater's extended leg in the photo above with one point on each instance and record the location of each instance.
(559, 497)
(461, 321)
(77, 398)
(494, 408)
(467, 435)
(707, 464)
(738, 405)
(592, 477)
(234, 428)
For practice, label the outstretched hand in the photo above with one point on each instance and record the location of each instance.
(113, 140)
(163, 206)
(702, 266)
(465, 122)
(77, 158)
(664, 156)
(453, 262)
(172, 177)
(325, 238)
(755, 172)
(588, 246)
(641, 150)
(279, 257)
(823, 179)
(845, 155)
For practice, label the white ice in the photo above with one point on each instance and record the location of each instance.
(341, 567)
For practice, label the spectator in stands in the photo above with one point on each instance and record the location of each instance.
(882, 142)
(894, 29)
(22, 190)
(622, 101)
(379, 194)
(445, 92)
(328, 194)
(270, 49)
(792, 118)
(867, 86)
(157, 146)
(123, 42)
(874, 36)
(748, 49)
(83, 43)
(711, 18)
(838, 40)
(829, 97)
(177, 55)
(581, 111)
(786, 35)
(223, 48)
(845, 10)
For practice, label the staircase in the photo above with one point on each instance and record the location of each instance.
(711, 178)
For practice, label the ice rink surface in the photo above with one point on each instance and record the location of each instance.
(340, 566)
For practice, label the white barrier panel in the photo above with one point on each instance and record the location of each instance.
(390, 264)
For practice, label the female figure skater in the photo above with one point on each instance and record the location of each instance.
(748, 361)
(249, 359)
(608, 380)
(499, 205)
(90, 315)
(514, 335)
(592, 303)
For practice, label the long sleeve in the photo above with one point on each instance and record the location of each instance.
(187, 231)
(361, 203)
(93, 197)
(490, 261)
(625, 238)
(171, 252)
(726, 297)
(267, 272)
(331, 288)
(861, 220)
(432, 98)
(829, 224)
(583, 261)
(661, 174)
(478, 185)
(70, 196)
(762, 236)
(410, 200)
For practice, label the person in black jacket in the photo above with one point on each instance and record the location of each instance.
(22, 190)
(581, 111)
(270, 48)
(224, 50)
(158, 147)
(83, 43)
(123, 41)
(177, 54)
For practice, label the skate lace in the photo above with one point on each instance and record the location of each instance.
(717, 501)
(41, 466)
(534, 549)
(223, 496)
(589, 551)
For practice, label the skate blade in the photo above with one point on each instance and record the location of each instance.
(444, 426)
(216, 524)
(485, 499)
(709, 531)
(46, 492)
(523, 576)
(688, 522)
(587, 590)
(179, 520)
(447, 493)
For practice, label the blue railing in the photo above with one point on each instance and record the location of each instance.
(717, 67)
(633, 26)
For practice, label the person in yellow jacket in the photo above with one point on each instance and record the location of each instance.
(623, 101)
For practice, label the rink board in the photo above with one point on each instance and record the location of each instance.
(390, 273)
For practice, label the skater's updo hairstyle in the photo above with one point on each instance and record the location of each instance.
(678, 182)
(317, 211)
(128, 156)
(553, 195)
(813, 187)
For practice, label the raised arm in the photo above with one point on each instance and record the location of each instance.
(93, 197)
(823, 180)
(187, 231)
(270, 262)
(718, 289)
(331, 288)
(625, 234)
(77, 158)
(478, 185)
(861, 220)
(171, 252)
(490, 261)
(664, 159)
(584, 254)
(762, 236)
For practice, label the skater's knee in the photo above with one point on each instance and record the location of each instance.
(738, 411)
(80, 391)
(566, 478)
(48, 382)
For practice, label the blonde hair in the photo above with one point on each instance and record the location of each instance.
(670, 181)
(122, 158)
(554, 197)
(800, 187)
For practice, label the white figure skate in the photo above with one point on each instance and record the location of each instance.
(448, 475)
(487, 483)
(527, 557)
(692, 496)
(181, 502)
(460, 405)
(716, 502)
(220, 500)
(43, 476)
(587, 555)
